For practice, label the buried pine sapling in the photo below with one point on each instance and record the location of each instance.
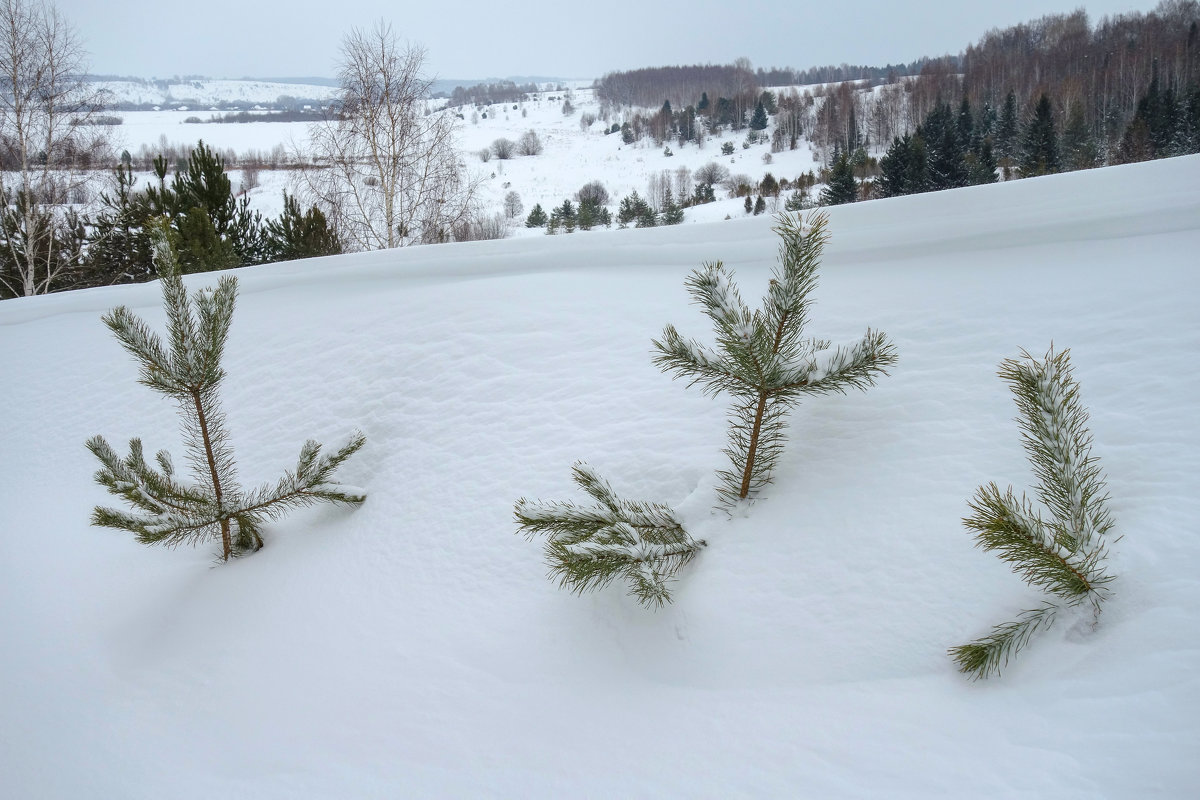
(188, 370)
(1063, 555)
(762, 358)
(589, 547)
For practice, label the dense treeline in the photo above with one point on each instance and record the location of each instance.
(841, 73)
(680, 86)
(1100, 73)
(490, 93)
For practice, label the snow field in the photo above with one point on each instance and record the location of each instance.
(414, 647)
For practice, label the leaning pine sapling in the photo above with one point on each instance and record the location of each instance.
(188, 370)
(1064, 555)
(761, 357)
(588, 548)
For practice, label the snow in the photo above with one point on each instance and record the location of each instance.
(414, 647)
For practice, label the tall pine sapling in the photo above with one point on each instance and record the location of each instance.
(588, 548)
(1065, 554)
(761, 358)
(167, 510)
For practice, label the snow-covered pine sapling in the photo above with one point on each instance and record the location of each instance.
(170, 511)
(1065, 554)
(762, 359)
(589, 547)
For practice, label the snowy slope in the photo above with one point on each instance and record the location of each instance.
(414, 648)
(206, 92)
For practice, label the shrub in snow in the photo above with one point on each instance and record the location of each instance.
(589, 547)
(1064, 555)
(761, 358)
(167, 510)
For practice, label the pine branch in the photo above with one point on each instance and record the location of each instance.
(1013, 530)
(855, 367)
(1055, 435)
(588, 548)
(987, 656)
(310, 483)
(786, 308)
(689, 359)
(1064, 556)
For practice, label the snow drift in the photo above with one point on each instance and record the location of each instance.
(415, 648)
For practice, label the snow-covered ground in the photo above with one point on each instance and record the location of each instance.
(414, 648)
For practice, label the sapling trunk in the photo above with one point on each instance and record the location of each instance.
(752, 450)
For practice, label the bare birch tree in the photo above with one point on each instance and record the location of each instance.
(384, 167)
(46, 140)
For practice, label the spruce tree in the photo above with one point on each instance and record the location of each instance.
(1064, 554)
(1039, 144)
(1007, 131)
(188, 370)
(758, 121)
(589, 547)
(893, 168)
(762, 359)
(841, 187)
(537, 217)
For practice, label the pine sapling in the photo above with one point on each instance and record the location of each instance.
(762, 359)
(589, 547)
(1064, 554)
(168, 510)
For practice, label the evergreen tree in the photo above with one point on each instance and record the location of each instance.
(1079, 149)
(198, 246)
(537, 217)
(917, 179)
(171, 512)
(297, 235)
(762, 359)
(672, 212)
(758, 121)
(760, 205)
(205, 185)
(647, 217)
(749, 205)
(768, 185)
(946, 164)
(841, 187)
(589, 547)
(981, 165)
(893, 168)
(1007, 132)
(1039, 144)
(563, 217)
(119, 248)
(797, 201)
(1065, 554)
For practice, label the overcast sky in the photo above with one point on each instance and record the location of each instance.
(491, 38)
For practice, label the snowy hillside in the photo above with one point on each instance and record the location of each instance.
(207, 92)
(574, 154)
(414, 648)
